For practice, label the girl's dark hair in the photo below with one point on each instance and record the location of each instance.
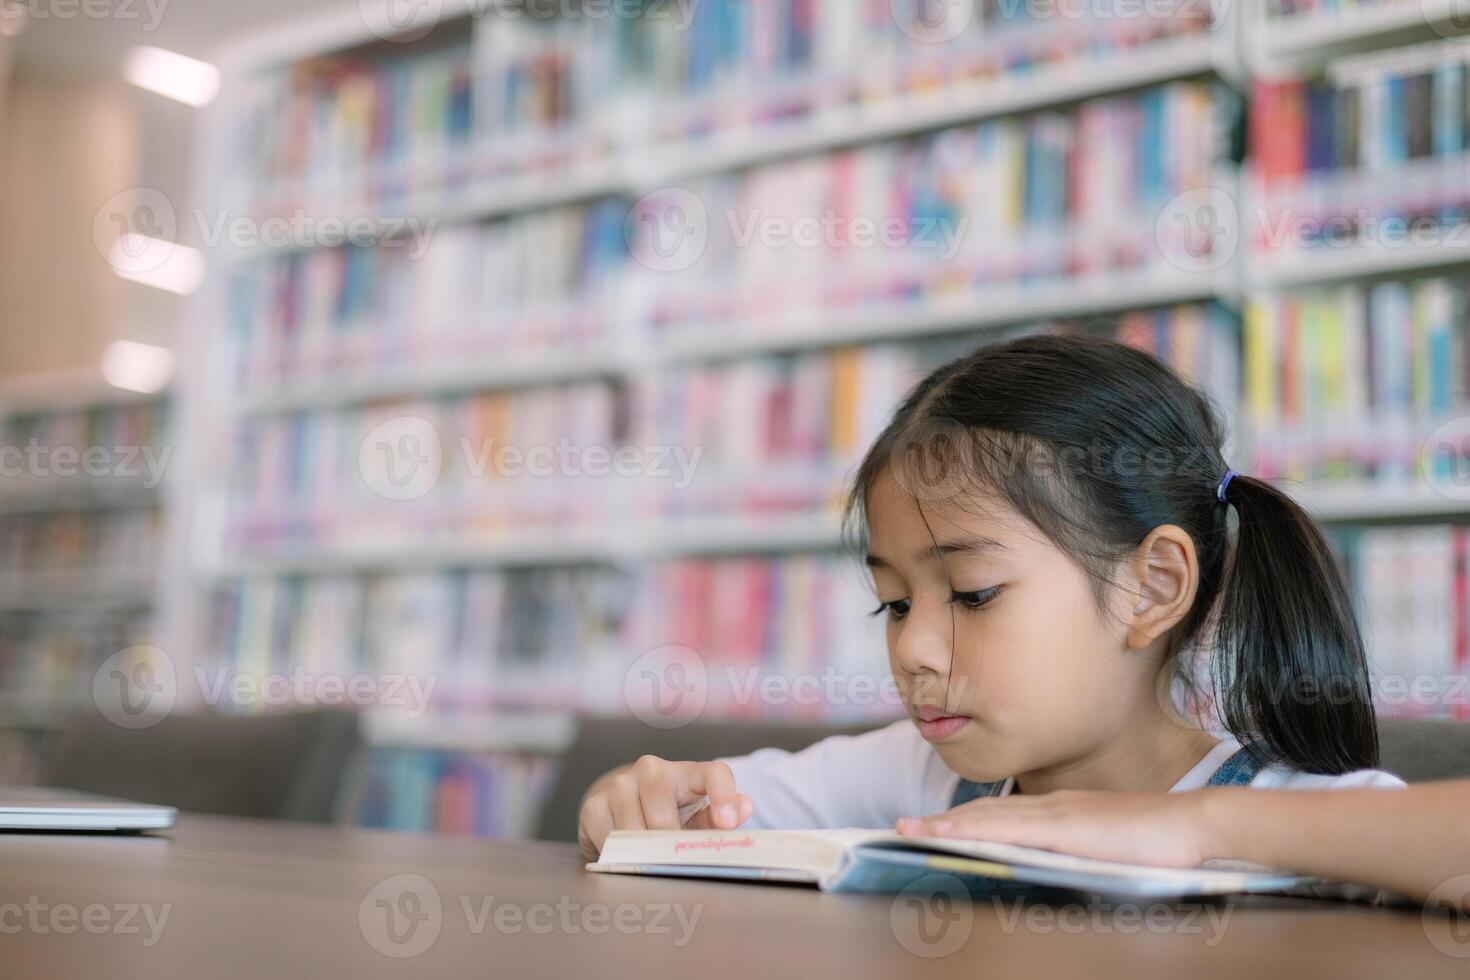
(1096, 444)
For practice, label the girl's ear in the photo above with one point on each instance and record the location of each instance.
(1166, 572)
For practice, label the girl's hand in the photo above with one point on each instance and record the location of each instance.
(655, 794)
(1168, 829)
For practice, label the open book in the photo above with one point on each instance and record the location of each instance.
(883, 861)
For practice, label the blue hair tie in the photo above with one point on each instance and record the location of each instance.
(1224, 483)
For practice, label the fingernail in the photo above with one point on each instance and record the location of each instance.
(726, 813)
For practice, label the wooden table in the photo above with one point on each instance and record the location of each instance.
(222, 898)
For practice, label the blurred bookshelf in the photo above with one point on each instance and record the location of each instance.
(509, 181)
(82, 515)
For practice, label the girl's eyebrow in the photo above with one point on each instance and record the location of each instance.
(942, 549)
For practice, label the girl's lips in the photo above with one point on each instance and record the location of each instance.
(941, 728)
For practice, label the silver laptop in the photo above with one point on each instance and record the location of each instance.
(39, 808)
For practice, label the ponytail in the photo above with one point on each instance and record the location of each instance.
(1291, 673)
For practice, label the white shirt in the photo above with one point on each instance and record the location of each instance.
(872, 779)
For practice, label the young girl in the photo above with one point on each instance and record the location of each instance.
(1047, 524)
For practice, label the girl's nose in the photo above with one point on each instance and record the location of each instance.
(925, 638)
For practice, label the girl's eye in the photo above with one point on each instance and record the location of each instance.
(896, 608)
(975, 600)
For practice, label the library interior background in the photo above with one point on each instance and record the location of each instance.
(489, 370)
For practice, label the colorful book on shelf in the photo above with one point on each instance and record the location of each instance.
(1409, 584)
(485, 795)
(1372, 112)
(1349, 381)
(995, 205)
(854, 860)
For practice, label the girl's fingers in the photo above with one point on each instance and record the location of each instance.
(623, 798)
(658, 793)
(595, 825)
(987, 819)
(715, 780)
(704, 819)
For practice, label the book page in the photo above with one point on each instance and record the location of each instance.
(818, 852)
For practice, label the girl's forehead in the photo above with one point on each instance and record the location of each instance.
(895, 511)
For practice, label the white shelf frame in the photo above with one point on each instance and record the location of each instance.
(1349, 503)
(1277, 45)
(505, 372)
(982, 310)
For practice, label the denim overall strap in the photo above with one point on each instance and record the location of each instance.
(1240, 769)
(968, 790)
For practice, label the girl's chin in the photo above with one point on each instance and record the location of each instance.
(966, 753)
